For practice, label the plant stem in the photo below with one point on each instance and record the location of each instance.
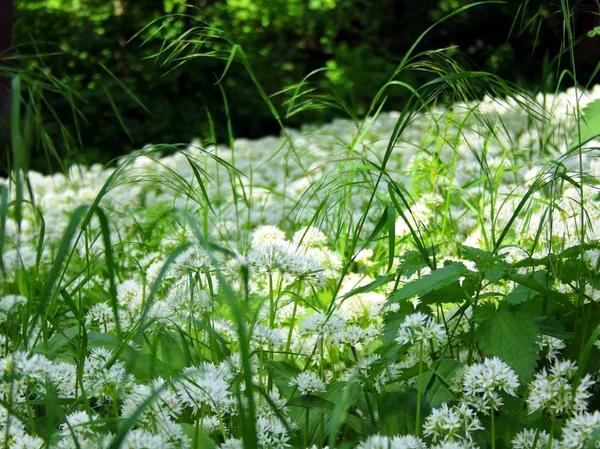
(493, 426)
(419, 390)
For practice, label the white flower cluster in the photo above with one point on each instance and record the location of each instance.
(420, 328)
(483, 382)
(308, 383)
(554, 392)
(281, 232)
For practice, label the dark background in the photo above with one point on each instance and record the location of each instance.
(362, 41)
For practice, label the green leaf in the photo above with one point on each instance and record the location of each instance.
(511, 336)
(311, 401)
(519, 295)
(431, 282)
(172, 352)
(282, 373)
(410, 263)
(589, 124)
(493, 267)
(440, 378)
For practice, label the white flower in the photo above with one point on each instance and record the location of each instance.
(271, 433)
(232, 443)
(552, 346)
(330, 329)
(578, 428)
(267, 234)
(553, 391)
(378, 441)
(447, 423)
(307, 383)
(533, 439)
(207, 385)
(420, 328)
(285, 258)
(138, 438)
(8, 302)
(482, 382)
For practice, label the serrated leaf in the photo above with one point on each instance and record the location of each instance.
(410, 263)
(589, 124)
(549, 325)
(492, 266)
(450, 294)
(519, 295)
(431, 282)
(511, 336)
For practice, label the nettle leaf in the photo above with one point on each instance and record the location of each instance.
(450, 294)
(410, 263)
(540, 287)
(549, 325)
(511, 336)
(521, 293)
(589, 124)
(431, 282)
(493, 267)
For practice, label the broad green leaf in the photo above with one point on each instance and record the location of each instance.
(439, 380)
(431, 282)
(311, 401)
(519, 295)
(410, 263)
(511, 336)
(282, 373)
(491, 266)
(589, 124)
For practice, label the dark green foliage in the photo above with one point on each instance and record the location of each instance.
(359, 42)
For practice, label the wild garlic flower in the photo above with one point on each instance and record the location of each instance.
(266, 234)
(264, 337)
(482, 382)
(9, 303)
(286, 259)
(331, 329)
(308, 383)
(420, 328)
(139, 438)
(232, 443)
(79, 423)
(210, 424)
(101, 317)
(418, 217)
(311, 236)
(554, 392)
(461, 444)
(378, 441)
(533, 439)
(103, 381)
(552, 346)
(449, 424)
(207, 385)
(271, 433)
(578, 428)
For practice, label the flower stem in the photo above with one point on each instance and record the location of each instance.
(493, 426)
(419, 390)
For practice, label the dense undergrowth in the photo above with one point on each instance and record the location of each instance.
(421, 279)
(177, 301)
